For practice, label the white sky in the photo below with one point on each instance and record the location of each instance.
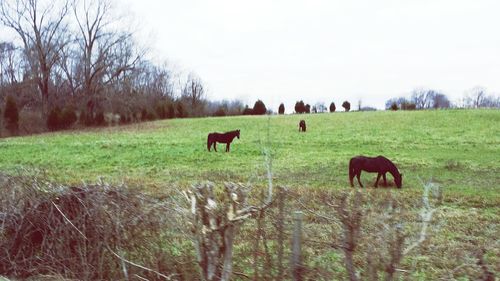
(328, 50)
(325, 50)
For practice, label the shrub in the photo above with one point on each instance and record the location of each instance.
(125, 119)
(53, 120)
(86, 118)
(408, 106)
(80, 232)
(144, 113)
(394, 106)
(220, 111)
(68, 117)
(11, 115)
(247, 111)
(300, 107)
(367, 108)
(181, 112)
(61, 119)
(281, 109)
(170, 110)
(99, 119)
(150, 116)
(161, 110)
(259, 108)
(307, 108)
(346, 105)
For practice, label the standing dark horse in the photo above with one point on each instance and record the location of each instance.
(226, 138)
(379, 164)
(302, 126)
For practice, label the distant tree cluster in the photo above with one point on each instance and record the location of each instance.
(319, 107)
(259, 108)
(300, 107)
(432, 99)
(478, 97)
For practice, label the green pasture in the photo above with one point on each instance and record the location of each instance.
(458, 148)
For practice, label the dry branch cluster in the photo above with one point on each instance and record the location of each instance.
(215, 221)
(90, 232)
(105, 232)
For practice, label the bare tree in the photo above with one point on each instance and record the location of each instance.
(478, 97)
(155, 81)
(9, 63)
(105, 55)
(440, 101)
(41, 27)
(320, 107)
(193, 92)
(422, 98)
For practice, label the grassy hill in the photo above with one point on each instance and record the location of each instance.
(457, 149)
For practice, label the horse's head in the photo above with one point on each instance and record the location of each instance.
(398, 179)
(238, 133)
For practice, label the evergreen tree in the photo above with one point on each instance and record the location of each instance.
(259, 108)
(332, 107)
(346, 105)
(247, 110)
(281, 109)
(307, 108)
(300, 107)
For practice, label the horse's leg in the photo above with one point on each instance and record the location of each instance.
(385, 179)
(378, 178)
(227, 146)
(215, 146)
(358, 175)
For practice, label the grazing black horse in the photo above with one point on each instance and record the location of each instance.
(302, 126)
(379, 164)
(226, 138)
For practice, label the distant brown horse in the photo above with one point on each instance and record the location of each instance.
(379, 164)
(302, 126)
(226, 138)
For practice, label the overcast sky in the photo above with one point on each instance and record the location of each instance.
(324, 51)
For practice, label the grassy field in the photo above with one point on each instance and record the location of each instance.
(457, 149)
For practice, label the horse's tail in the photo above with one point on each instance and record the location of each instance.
(351, 171)
(209, 141)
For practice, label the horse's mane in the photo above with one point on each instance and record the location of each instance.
(391, 165)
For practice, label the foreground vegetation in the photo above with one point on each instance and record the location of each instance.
(456, 149)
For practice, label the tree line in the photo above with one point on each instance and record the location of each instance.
(72, 63)
(420, 98)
